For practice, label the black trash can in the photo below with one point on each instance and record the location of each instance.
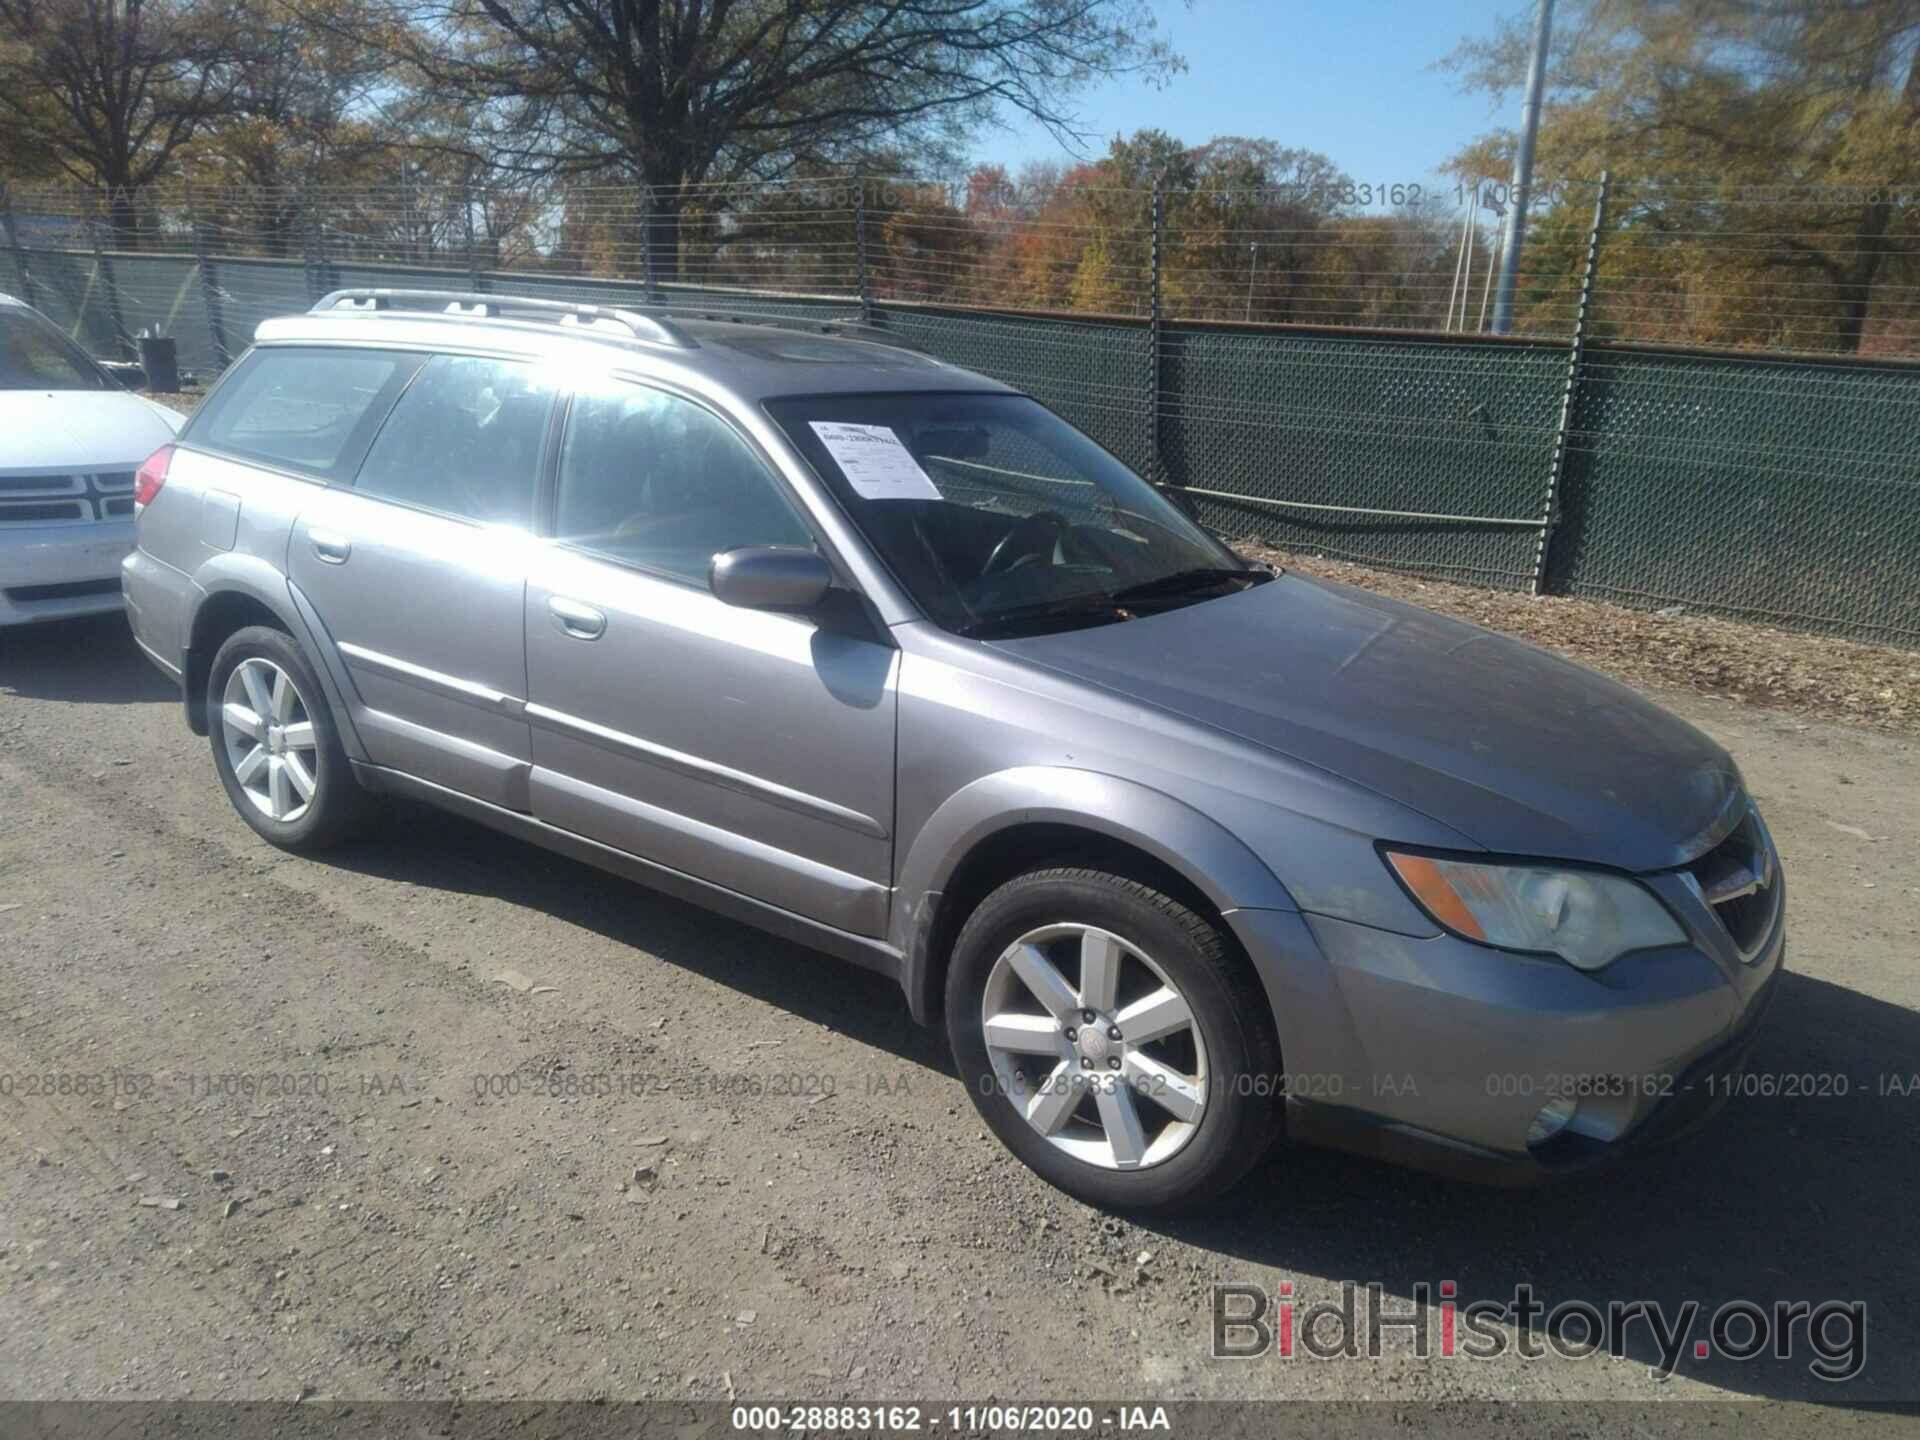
(160, 358)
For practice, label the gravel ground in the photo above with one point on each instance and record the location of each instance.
(443, 1116)
(1845, 680)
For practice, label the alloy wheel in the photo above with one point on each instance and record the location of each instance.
(269, 736)
(1095, 1046)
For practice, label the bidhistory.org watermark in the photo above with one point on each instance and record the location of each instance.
(1433, 1323)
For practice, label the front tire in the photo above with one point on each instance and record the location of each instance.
(1165, 1097)
(275, 746)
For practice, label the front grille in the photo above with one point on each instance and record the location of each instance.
(36, 499)
(67, 590)
(1739, 880)
(21, 514)
(12, 485)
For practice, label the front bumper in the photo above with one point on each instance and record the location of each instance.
(56, 572)
(1439, 1053)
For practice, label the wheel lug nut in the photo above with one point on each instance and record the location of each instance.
(1113, 1032)
(1114, 1063)
(1085, 1063)
(1072, 1034)
(1088, 1016)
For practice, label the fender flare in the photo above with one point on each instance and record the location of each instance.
(1210, 857)
(237, 573)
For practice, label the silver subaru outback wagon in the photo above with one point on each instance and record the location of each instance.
(886, 658)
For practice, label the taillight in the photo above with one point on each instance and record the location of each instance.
(150, 477)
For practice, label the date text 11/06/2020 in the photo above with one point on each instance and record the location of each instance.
(966, 1419)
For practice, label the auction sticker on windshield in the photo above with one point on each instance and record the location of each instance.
(874, 461)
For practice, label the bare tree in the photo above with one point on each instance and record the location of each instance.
(112, 89)
(675, 93)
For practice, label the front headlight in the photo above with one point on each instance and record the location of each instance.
(1586, 917)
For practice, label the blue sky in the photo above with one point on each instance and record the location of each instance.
(1352, 79)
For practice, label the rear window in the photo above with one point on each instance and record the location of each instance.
(310, 410)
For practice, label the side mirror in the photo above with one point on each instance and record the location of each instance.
(770, 577)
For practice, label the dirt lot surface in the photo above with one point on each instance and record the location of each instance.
(1671, 648)
(444, 1116)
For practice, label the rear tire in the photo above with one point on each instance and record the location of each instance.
(1167, 1097)
(275, 746)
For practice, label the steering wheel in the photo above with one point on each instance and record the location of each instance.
(1031, 537)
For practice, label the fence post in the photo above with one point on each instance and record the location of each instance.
(648, 274)
(320, 277)
(13, 244)
(860, 248)
(209, 285)
(473, 254)
(1156, 246)
(309, 265)
(1570, 393)
(104, 268)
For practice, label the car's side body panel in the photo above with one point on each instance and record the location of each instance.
(752, 748)
(444, 700)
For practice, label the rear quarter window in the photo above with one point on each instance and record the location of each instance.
(310, 410)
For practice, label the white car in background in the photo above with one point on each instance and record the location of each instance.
(71, 444)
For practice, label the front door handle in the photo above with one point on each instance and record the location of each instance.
(582, 622)
(330, 547)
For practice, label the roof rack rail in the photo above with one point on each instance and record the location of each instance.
(847, 327)
(491, 305)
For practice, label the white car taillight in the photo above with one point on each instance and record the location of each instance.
(150, 477)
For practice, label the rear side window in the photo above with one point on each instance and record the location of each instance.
(309, 410)
(466, 440)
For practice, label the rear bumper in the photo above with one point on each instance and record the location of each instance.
(158, 599)
(1438, 1053)
(57, 572)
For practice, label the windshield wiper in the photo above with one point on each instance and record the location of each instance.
(1019, 617)
(1182, 582)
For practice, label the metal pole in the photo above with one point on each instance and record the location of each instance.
(1156, 248)
(647, 272)
(1253, 270)
(473, 253)
(1576, 352)
(13, 244)
(1459, 259)
(1516, 232)
(1486, 287)
(310, 249)
(209, 285)
(104, 268)
(1473, 238)
(860, 247)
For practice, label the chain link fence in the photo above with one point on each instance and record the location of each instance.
(1710, 397)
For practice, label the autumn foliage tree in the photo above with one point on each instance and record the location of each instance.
(1767, 154)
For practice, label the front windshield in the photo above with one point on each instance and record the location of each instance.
(35, 356)
(999, 517)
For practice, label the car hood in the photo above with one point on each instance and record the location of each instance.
(1518, 750)
(80, 429)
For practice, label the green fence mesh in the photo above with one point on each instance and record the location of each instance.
(1781, 489)
(1400, 424)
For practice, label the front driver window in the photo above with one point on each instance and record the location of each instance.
(660, 482)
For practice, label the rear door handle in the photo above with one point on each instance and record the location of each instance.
(330, 547)
(582, 622)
